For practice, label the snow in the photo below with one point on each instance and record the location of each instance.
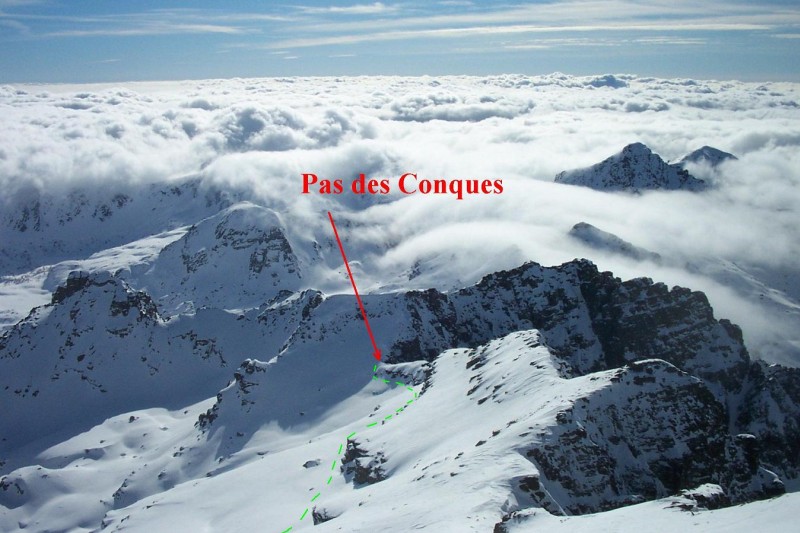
(659, 517)
(203, 370)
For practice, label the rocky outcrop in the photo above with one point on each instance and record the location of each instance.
(590, 319)
(360, 467)
(654, 432)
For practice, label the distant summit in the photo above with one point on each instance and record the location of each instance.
(610, 243)
(634, 169)
(708, 155)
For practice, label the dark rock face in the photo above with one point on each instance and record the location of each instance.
(590, 319)
(653, 432)
(320, 516)
(76, 282)
(770, 411)
(639, 319)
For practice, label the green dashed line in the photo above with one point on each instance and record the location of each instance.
(353, 434)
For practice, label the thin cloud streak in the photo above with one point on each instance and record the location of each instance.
(577, 13)
(155, 29)
(504, 30)
(358, 9)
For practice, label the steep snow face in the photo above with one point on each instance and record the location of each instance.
(236, 259)
(707, 155)
(635, 168)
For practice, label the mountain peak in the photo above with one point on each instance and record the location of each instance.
(637, 148)
(708, 155)
(633, 169)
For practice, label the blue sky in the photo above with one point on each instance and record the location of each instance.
(95, 41)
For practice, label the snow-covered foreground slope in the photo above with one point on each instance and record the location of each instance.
(624, 392)
(458, 445)
(661, 516)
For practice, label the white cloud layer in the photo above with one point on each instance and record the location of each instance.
(258, 136)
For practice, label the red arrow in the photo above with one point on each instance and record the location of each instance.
(377, 353)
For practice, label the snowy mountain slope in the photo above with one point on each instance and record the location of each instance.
(102, 348)
(511, 390)
(236, 259)
(666, 516)
(187, 267)
(22, 292)
(42, 227)
(591, 320)
(593, 323)
(635, 168)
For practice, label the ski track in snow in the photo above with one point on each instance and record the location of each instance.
(392, 414)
